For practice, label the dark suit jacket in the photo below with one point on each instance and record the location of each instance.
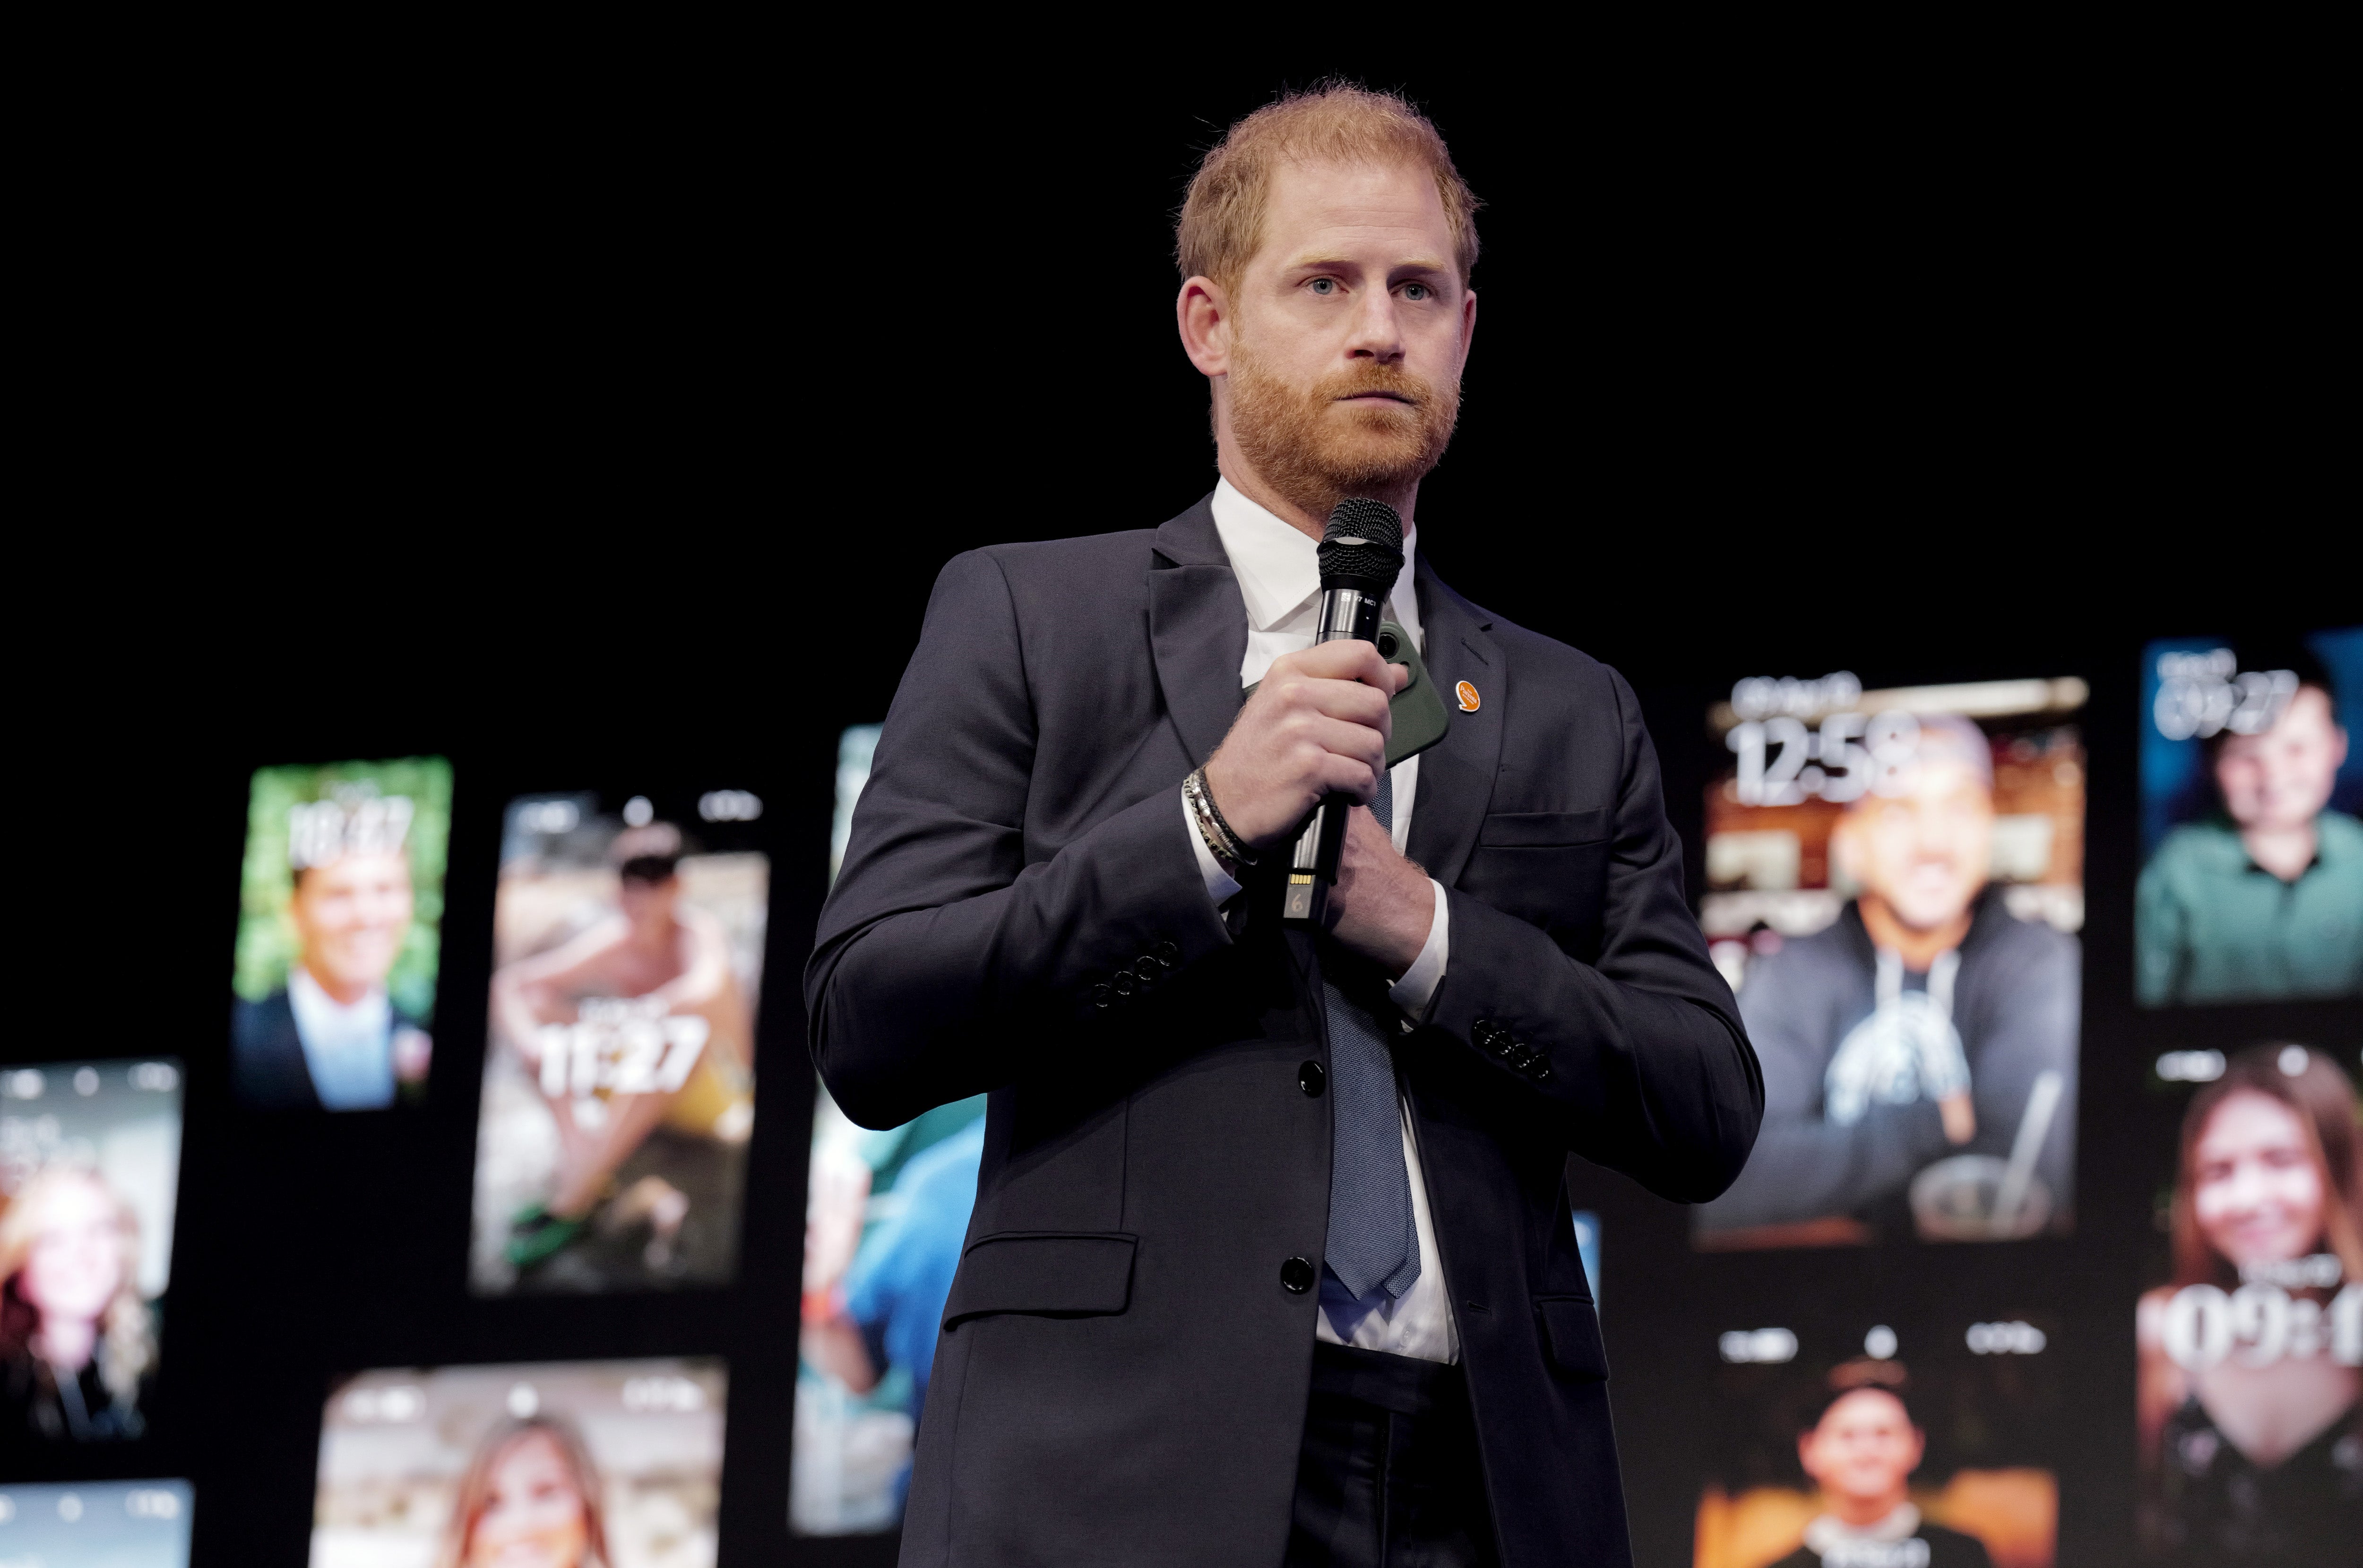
(266, 1055)
(266, 1062)
(1122, 1376)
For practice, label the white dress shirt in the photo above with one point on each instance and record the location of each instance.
(349, 1049)
(1280, 577)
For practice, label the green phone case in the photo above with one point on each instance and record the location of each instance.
(1420, 716)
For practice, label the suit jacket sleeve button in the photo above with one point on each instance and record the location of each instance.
(1123, 983)
(1167, 953)
(1101, 995)
(1297, 1275)
(1311, 1079)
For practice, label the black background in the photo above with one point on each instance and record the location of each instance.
(597, 424)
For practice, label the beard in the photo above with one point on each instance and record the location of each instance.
(1316, 450)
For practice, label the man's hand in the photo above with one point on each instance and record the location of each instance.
(1317, 725)
(1382, 905)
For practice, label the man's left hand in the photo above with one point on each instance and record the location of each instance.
(1382, 905)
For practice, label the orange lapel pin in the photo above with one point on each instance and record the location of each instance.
(1468, 695)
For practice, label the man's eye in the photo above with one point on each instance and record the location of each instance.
(1415, 291)
(1325, 285)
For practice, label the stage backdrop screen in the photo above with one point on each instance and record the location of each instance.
(2250, 1415)
(1895, 888)
(90, 1164)
(885, 1218)
(1837, 1440)
(340, 905)
(612, 1464)
(96, 1524)
(619, 1073)
(2252, 859)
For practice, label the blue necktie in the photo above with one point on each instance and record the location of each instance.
(1373, 1243)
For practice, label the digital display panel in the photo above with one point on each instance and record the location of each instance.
(885, 1220)
(567, 1464)
(619, 1073)
(89, 1166)
(96, 1524)
(2250, 1413)
(340, 906)
(1895, 888)
(2251, 885)
(1848, 1442)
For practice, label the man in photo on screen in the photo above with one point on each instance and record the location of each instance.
(2264, 900)
(1271, 1260)
(666, 961)
(331, 1037)
(1861, 1454)
(1924, 1021)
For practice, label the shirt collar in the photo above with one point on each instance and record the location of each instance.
(320, 1017)
(1279, 568)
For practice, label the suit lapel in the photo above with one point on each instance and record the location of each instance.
(1456, 775)
(1198, 626)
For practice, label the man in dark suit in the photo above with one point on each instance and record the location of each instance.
(331, 1037)
(1271, 1259)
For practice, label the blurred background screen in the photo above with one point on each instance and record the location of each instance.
(90, 1166)
(1895, 885)
(620, 1076)
(340, 912)
(571, 1465)
(97, 1524)
(887, 1213)
(2251, 886)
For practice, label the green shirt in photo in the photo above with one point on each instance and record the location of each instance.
(2209, 925)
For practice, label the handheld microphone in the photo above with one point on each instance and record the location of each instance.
(1361, 556)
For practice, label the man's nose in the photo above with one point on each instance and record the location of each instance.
(1377, 334)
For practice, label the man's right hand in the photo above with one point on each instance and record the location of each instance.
(1317, 725)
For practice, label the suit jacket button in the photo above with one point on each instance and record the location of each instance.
(1123, 983)
(1167, 953)
(1311, 1079)
(1297, 1275)
(1101, 995)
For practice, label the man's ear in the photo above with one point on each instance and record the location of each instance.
(1203, 313)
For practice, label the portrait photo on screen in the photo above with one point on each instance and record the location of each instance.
(96, 1524)
(1895, 885)
(563, 1465)
(2251, 885)
(619, 1067)
(340, 910)
(1916, 1450)
(885, 1218)
(90, 1169)
(2250, 1415)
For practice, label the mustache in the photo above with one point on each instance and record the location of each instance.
(1364, 381)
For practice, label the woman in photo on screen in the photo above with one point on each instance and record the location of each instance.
(2255, 1459)
(76, 1337)
(667, 962)
(529, 1498)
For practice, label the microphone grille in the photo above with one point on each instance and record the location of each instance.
(1361, 518)
(1362, 545)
